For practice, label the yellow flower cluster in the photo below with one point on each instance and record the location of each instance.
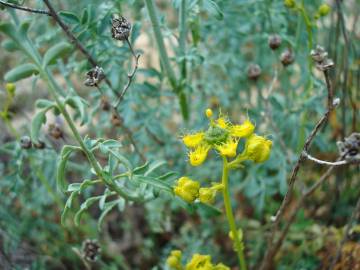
(190, 190)
(224, 137)
(240, 235)
(197, 262)
(174, 260)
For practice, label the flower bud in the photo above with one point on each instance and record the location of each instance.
(324, 10)
(257, 148)
(10, 88)
(187, 189)
(120, 29)
(25, 142)
(208, 113)
(207, 195)
(274, 42)
(287, 57)
(254, 72)
(289, 3)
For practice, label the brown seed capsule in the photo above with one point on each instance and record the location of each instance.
(287, 57)
(350, 147)
(25, 142)
(55, 131)
(120, 29)
(274, 42)
(39, 145)
(94, 76)
(320, 57)
(253, 72)
(104, 103)
(90, 250)
(116, 119)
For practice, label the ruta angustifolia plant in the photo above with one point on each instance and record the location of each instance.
(123, 183)
(223, 137)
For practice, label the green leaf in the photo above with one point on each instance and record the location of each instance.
(11, 31)
(10, 45)
(84, 206)
(21, 72)
(44, 103)
(60, 174)
(154, 165)
(36, 123)
(213, 9)
(121, 159)
(107, 208)
(141, 169)
(67, 207)
(78, 104)
(69, 17)
(155, 182)
(55, 52)
(73, 187)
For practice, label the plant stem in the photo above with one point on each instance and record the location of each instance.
(165, 58)
(182, 37)
(230, 215)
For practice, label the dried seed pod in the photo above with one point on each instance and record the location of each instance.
(39, 145)
(25, 142)
(104, 103)
(274, 42)
(90, 250)
(55, 131)
(253, 72)
(120, 29)
(287, 57)
(350, 147)
(320, 56)
(94, 76)
(116, 119)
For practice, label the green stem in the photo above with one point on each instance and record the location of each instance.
(230, 215)
(165, 58)
(182, 37)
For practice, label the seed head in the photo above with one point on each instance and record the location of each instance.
(94, 76)
(90, 250)
(274, 42)
(350, 147)
(320, 57)
(39, 145)
(55, 131)
(287, 57)
(120, 29)
(25, 142)
(254, 72)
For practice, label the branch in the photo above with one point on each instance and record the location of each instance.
(266, 262)
(38, 11)
(346, 236)
(130, 76)
(323, 162)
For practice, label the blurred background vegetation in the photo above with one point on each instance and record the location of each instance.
(224, 40)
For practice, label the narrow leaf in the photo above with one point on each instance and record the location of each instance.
(21, 72)
(56, 52)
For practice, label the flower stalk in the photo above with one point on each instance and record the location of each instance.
(230, 215)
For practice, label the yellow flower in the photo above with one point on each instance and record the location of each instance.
(174, 260)
(193, 140)
(198, 156)
(243, 130)
(208, 113)
(257, 148)
(207, 195)
(199, 262)
(222, 122)
(187, 189)
(228, 149)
